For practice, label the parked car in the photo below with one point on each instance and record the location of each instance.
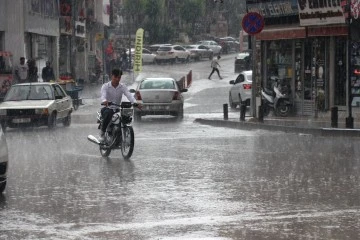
(199, 51)
(229, 44)
(147, 55)
(242, 62)
(159, 96)
(153, 48)
(172, 53)
(240, 90)
(212, 45)
(35, 104)
(4, 159)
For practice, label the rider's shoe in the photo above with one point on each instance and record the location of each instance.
(101, 137)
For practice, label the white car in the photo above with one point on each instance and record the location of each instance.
(4, 158)
(212, 45)
(147, 56)
(35, 104)
(172, 53)
(240, 90)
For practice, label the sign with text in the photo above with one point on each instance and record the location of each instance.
(274, 9)
(138, 50)
(313, 12)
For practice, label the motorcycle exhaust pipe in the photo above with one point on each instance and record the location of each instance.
(93, 139)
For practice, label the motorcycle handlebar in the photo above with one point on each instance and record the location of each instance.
(123, 104)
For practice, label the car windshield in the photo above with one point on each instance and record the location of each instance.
(29, 92)
(158, 84)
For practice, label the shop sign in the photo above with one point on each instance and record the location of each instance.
(313, 13)
(274, 9)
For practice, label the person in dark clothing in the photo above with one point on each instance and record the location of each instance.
(33, 71)
(47, 73)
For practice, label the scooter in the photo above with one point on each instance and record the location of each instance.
(277, 99)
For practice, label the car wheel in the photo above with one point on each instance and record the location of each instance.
(2, 187)
(180, 113)
(67, 120)
(232, 104)
(52, 120)
(3, 126)
(137, 117)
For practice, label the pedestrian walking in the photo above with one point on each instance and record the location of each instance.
(21, 71)
(33, 71)
(214, 65)
(47, 73)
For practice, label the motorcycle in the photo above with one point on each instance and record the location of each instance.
(277, 99)
(119, 132)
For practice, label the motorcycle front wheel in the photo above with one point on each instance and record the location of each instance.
(283, 109)
(127, 142)
(105, 152)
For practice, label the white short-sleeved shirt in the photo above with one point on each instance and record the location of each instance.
(22, 71)
(111, 94)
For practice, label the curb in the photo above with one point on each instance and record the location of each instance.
(333, 132)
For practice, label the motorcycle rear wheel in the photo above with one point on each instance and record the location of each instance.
(127, 142)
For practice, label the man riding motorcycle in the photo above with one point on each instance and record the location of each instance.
(112, 92)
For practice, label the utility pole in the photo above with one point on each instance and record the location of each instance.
(73, 39)
(349, 121)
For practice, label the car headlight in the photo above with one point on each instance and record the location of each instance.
(2, 112)
(42, 111)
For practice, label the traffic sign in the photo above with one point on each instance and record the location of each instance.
(252, 23)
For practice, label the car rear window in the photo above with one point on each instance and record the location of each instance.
(249, 77)
(164, 49)
(158, 84)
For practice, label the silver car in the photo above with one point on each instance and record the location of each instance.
(35, 104)
(4, 158)
(159, 96)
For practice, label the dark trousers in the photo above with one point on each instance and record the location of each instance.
(215, 70)
(106, 114)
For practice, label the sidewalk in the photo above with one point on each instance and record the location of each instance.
(320, 126)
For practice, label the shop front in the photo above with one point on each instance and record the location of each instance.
(311, 61)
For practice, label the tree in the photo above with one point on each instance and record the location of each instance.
(191, 12)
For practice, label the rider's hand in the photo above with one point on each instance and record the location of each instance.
(138, 105)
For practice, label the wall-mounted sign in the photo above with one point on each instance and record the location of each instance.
(313, 13)
(80, 29)
(274, 9)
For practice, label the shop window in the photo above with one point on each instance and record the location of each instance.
(279, 61)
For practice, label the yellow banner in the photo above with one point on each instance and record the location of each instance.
(138, 50)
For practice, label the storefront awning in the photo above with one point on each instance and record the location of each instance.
(281, 33)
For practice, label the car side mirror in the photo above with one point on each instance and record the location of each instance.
(132, 90)
(232, 82)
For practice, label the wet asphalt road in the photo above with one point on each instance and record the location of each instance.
(184, 181)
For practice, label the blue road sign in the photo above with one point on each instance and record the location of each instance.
(252, 23)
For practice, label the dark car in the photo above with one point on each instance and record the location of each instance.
(242, 62)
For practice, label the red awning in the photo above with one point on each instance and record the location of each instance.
(281, 33)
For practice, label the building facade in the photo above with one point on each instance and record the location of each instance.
(305, 45)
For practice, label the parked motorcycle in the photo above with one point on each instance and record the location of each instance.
(277, 99)
(119, 133)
